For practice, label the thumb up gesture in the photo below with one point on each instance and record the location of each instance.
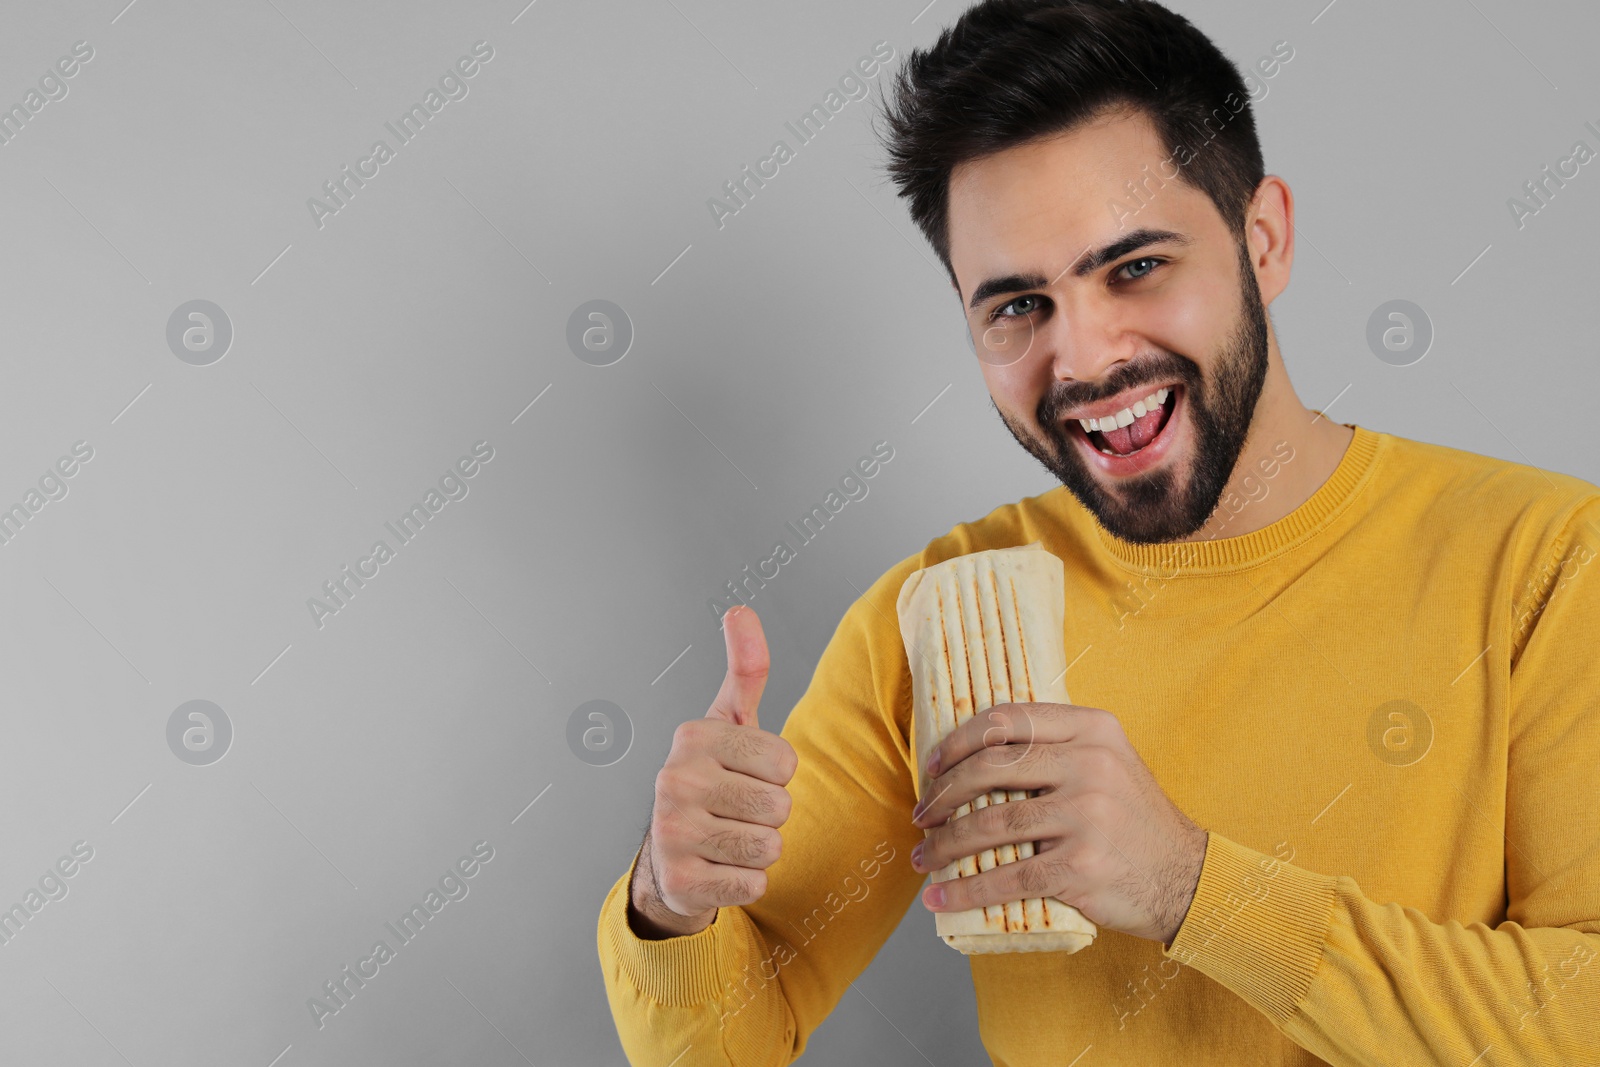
(720, 799)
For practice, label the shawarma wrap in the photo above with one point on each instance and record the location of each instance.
(985, 629)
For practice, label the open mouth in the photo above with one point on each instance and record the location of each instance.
(1131, 430)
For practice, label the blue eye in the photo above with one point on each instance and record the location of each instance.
(1153, 261)
(999, 311)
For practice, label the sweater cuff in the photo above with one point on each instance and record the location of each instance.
(1256, 925)
(680, 971)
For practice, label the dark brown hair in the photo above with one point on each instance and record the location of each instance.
(1009, 71)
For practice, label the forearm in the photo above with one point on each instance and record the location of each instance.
(648, 916)
(1362, 984)
(1398, 988)
(686, 995)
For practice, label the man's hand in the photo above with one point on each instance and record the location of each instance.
(1110, 843)
(720, 799)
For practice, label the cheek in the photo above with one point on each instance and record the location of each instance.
(1018, 389)
(1193, 319)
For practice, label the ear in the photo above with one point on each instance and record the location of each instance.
(1269, 229)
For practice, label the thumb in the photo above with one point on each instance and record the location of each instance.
(747, 668)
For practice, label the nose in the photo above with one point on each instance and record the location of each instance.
(1087, 337)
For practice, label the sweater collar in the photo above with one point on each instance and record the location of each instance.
(1225, 554)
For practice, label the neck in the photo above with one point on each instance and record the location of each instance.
(1289, 453)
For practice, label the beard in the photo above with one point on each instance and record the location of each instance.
(1161, 505)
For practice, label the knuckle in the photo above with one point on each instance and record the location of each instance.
(1073, 859)
(1001, 726)
(1093, 865)
(1020, 816)
(745, 744)
(765, 847)
(672, 880)
(669, 780)
(784, 758)
(774, 847)
(1031, 878)
(688, 732)
(738, 847)
(752, 887)
(1105, 722)
(668, 830)
(1096, 807)
(711, 890)
(661, 825)
(1099, 764)
(961, 828)
(1037, 876)
(732, 887)
(783, 804)
(736, 800)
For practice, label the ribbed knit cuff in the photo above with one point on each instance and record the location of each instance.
(681, 971)
(1256, 925)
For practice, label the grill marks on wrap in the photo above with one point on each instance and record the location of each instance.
(984, 694)
(1010, 680)
(1011, 915)
(970, 865)
(1033, 913)
(973, 584)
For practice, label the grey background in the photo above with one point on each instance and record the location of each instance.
(369, 355)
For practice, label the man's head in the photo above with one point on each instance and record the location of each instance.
(1087, 170)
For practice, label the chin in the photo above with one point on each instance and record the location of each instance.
(1160, 493)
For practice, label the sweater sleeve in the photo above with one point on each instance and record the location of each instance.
(749, 989)
(1357, 982)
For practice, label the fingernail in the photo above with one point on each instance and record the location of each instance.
(934, 897)
(916, 856)
(916, 812)
(933, 762)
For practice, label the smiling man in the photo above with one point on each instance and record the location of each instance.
(1326, 789)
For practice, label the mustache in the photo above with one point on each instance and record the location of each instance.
(1063, 396)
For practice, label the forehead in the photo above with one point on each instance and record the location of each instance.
(1037, 205)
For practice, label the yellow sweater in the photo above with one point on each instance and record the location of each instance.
(1384, 708)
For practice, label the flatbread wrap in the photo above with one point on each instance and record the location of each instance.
(984, 629)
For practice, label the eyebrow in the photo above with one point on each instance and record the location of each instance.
(1087, 263)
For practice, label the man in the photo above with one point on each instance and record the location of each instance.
(1327, 786)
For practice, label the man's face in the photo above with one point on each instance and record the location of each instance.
(1064, 334)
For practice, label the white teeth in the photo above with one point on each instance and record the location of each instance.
(1126, 416)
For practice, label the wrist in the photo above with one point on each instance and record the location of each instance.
(1187, 883)
(650, 918)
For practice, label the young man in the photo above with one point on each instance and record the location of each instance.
(1327, 786)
